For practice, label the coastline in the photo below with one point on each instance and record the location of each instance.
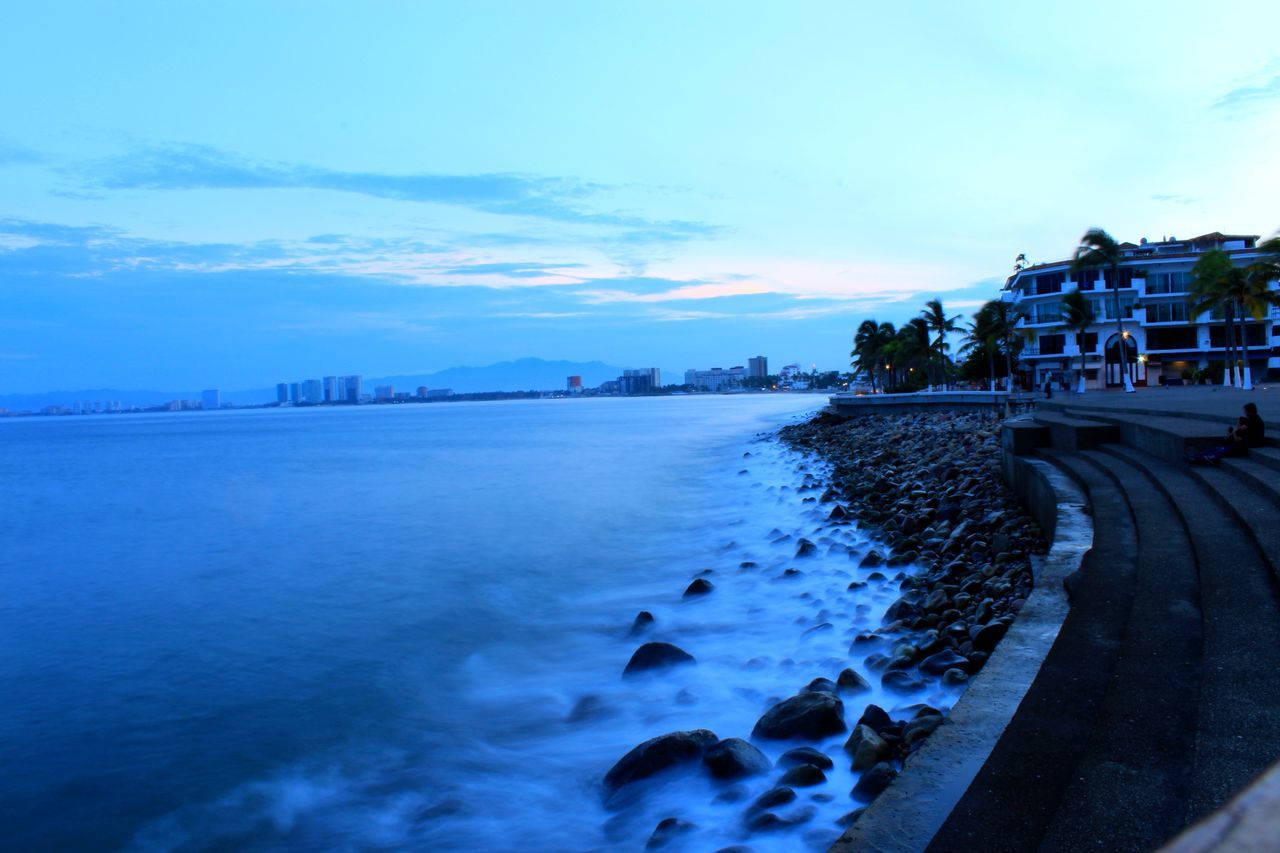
(944, 568)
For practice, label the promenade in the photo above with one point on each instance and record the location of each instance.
(1157, 699)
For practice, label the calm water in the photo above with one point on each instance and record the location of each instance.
(356, 629)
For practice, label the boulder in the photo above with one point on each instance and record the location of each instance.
(866, 748)
(820, 685)
(955, 676)
(872, 560)
(734, 758)
(875, 718)
(771, 798)
(940, 662)
(803, 776)
(986, 637)
(806, 715)
(873, 782)
(768, 821)
(920, 728)
(644, 621)
(805, 755)
(850, 680)
(805, 548)
(700, 586)
(657, 656)
(900, 681)
(667, 831)
(658, 754)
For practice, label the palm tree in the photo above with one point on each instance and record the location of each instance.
(1256, 300)
(915, 349)
(1216, 282)
(940, 325)
(1077, 316)
(1099, 250)
(981, 337)
(868, 348)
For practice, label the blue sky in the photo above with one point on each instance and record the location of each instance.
(233, 194)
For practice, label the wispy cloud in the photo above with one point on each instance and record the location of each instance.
(559, 199)
(1174, 198)
(13, 154)
(1261, 89)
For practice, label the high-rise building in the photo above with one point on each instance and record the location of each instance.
(295, 392)
(574, 384)
(313, 391)
(422, 390)
(715, 379)
(282, 392)
(642, 381)
(210, 399)
(332, 389)
(353, 388)
(384, 392)
(758, 367)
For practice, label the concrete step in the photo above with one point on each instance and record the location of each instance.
(1170, 439)
(1238, 734)
(1268, 456)
(1070, 434)
(1017, 793)
(1253, 500)
(1255, 475)
(1133, 782)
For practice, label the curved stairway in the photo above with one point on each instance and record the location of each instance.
(1160, 698)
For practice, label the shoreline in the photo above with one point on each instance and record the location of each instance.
(935, 515)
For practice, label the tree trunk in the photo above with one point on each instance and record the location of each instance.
(1246, 375)
(1229, 333)
(1124, 349)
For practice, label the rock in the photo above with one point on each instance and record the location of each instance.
(903, 608)
(937, 664)
(986, 637)
(900, 681)
(866, 748)
(850, 818)
(735, 758)
(920, 728)
(955, 676)
(772, 798)
(872, 560)
(657, 656)
(805, 548)
(839, 513)
(700, 586)
(803, 776)
(820, 685)
(873, 782)
(769, 821)
(806, 715)
(805, 755)
(936, 601)
(875, 718)
(666, 831)
(851, 681)
(644, 621)
(863, 639)
(817, 629)
(658, 754)
(748, 564)
(588, 708)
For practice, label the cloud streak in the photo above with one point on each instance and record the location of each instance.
(558, 199)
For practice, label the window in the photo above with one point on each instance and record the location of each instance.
(1167, 312)
(1050, 282)
(1052, 344)
(1105, 308)
(1049, 313)
(1089, 342)
(1126, 278)
(1256, 337)
(1167, 339)
(1169, 282)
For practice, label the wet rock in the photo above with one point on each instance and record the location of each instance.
(872, 560)
(875, 718)
(839, 513)
(873, 782)
(588, 708)
(920, 728)
(768, 821)
(955, 676)
(789, 574)
(658, 754)
(734, 794)
(866, 748)
(806, 715)
(805, 755)
(748, 564)
(851, 681)
(937, 664)
(850, 818)
(700, 586)
(805, 548)
(772, 798)
(643, 622)
(986, 637)
(820, 685)
(803, 776)
(900, 681)
(818, 629)
(735, 758)
(667, 831)
(653, 656)
(863, 639)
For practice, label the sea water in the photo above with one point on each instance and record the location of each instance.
(404, 627)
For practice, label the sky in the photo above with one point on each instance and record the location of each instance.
(234, 194)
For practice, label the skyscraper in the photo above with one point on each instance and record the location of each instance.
(758, 367)
(295, 391)
(353, 387)
(282, 392)
(312, 391)
(332, 389)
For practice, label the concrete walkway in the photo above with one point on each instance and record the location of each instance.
(1201, 402)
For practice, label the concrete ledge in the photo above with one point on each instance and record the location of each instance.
(1071, 434)
(855, 405)
(1250, 823)
(906, 816)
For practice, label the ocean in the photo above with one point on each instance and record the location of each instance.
(404, 627)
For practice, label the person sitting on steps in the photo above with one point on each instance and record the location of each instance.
(1249, 431)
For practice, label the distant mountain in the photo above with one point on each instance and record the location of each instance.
(525, 374)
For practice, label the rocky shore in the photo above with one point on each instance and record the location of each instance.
(953, 542)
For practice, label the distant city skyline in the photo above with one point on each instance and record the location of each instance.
(209, 197)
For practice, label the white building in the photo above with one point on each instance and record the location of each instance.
(792, 377)
(715, 379)
(1162, 337)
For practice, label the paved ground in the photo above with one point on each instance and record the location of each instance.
(1199, 401)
